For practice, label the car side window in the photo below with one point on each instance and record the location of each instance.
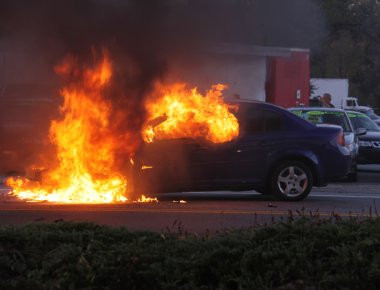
(262, 121)
(255, 122)
(273, 121)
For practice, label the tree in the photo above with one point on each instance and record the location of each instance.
(351, 47)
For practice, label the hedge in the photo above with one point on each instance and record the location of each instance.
(306, 253)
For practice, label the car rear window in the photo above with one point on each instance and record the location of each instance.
(325, 117)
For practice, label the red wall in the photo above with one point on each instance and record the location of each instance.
(286, 75)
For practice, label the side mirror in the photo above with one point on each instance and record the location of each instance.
(360, 131)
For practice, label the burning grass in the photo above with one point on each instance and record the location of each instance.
(301, 254)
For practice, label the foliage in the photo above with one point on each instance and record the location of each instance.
(351, 47)
(326, 254)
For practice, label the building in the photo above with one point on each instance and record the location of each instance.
(277, 75)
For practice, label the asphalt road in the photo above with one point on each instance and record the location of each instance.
(206, 211)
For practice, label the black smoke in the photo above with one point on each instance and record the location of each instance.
(149, 32)
(144, 36)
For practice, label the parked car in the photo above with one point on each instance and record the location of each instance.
(276, 153)
(369, 143)
(370, 113)
(336, 117)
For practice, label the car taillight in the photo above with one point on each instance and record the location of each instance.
(340, 139)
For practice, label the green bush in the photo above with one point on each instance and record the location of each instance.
(306, 253)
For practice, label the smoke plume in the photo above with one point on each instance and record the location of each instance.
(143, 38)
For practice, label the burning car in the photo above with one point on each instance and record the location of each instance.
(185, 139)
(275, 152)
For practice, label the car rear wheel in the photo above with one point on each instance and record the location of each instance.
(292, 181)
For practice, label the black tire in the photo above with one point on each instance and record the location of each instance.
(291, 181)
(353, 175)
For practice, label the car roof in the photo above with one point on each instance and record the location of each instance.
(247, 102)
(365, 109)
(263, 105)
(244, 101)
(234, 100)
(316, 108)
(356, 112)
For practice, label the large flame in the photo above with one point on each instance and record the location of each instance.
(85, 170)
(180, 112)
(85, 145)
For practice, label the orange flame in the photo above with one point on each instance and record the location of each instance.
(85, 146)
(180, 112)
(85, 171)
(144, 198)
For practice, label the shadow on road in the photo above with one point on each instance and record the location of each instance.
(215, 196)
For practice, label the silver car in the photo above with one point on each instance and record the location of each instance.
(335, 117)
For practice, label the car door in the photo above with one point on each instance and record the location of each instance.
(210, 164)
(263, 133)
(163, 165)
(243, 160)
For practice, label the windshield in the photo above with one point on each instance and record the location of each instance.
(362, 121)
(325, 117)
(372, 115)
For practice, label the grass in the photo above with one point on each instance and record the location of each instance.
(306, 253)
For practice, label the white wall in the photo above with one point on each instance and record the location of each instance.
(337, 88)
(244, 76)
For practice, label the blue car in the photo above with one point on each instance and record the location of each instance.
(275, 153)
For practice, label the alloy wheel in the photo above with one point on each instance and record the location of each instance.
(292, 181)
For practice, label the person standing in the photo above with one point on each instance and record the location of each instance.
(326, 101)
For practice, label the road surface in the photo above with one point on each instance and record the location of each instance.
(206, 211)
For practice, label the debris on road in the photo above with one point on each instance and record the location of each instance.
(180, 201)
